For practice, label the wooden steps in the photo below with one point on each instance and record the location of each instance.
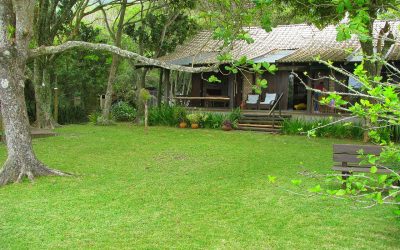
(261, 122)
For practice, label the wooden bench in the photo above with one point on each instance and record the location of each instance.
(347, 158)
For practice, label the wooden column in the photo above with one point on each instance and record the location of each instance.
(231, 90)
(167, 85)
(160, 83)
(309, 97)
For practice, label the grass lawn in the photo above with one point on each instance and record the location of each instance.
(185, 189)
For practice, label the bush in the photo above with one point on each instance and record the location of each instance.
(101, 121)
(166, 115)
(339, 130)
(235, 115)
(172, 115)
(71, 115)
(93, 117)
(213, 120)
(123, 112)
(180, 114)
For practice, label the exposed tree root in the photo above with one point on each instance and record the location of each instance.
(48, 124)
(15, 170)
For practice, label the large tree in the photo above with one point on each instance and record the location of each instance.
(16, 31)
(16, 36)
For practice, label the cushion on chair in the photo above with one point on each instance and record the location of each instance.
(252, 99)
(269, 98)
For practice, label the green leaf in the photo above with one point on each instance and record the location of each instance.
(373, 170)
(213, 78)
(382, 178)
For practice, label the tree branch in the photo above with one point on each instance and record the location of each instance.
(49, 50)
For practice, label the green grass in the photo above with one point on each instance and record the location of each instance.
(185, 189)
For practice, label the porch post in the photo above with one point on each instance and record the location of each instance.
(231, 90)
(309, 97)
(167, 86)
(159, 93)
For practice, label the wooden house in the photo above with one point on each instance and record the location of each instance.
(293, 48)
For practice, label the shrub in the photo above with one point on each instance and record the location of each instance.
(166, 115)
(395, 133)
(71, 115)
(172, 115)
(123, 112)
(195, 118)
(213, 120)
(101, 121)
(180, 114)
(338, 130)
(235, 115)
(93, 117)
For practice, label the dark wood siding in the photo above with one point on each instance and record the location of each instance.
(196, 89)
(278, 83)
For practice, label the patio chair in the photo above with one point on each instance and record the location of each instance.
(269, 101)
(252, 101)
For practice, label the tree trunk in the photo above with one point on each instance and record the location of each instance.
(110, 84)
(115, 63)
(43, 95)
(142, 85)
(21, 159)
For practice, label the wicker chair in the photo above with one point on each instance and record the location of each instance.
(269, 101)
(252, 101)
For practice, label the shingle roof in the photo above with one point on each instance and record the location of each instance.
(285, 43)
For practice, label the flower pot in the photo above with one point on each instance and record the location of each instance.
(183, 125)
(226, 128)
(195, 126)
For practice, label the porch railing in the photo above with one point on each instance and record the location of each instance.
(272, 110)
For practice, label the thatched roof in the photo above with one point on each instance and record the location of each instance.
(284, 44)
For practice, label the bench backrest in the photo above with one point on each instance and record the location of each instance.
(347, 153)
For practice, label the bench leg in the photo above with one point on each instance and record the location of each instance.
(345, 175)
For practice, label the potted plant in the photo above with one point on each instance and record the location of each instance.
(194, 120)
(183, 124)
(227, 125)
(180, 115)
